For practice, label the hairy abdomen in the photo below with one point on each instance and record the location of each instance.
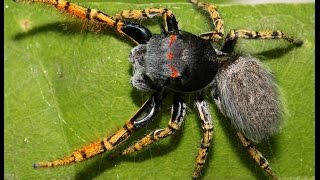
(249, 96)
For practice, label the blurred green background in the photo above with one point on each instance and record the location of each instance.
(67, 85)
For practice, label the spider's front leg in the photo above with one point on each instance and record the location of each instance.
(233, 35)
(207, 126)
(177, 115)
(146, 114)
(134, 31)
(217, 33)
(169, 18)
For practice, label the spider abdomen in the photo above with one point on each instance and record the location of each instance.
(249, 96)
(183, 60)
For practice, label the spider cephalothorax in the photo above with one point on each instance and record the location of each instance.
(184, 61)
(179, 62)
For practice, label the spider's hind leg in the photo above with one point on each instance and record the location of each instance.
(217, 33)
(256, 155)
(177, 115)
(233, 35)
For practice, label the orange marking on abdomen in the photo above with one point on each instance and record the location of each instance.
(174, 72)
(173, 38)
(170, 55)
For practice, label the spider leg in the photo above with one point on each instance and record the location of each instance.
(144, 115)
(135, 32)
(233, 35)
(217, 33)
(207, 126)
(177, 115)
(170, 21)
(256, 155)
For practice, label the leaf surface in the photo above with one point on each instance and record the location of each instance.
(67, 85)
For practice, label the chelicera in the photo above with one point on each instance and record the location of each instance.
(180, 62)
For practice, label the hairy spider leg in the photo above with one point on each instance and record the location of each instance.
(217, 33)
(177, 115)
(207, 126)
(233, 35)
(256, 155)
(170, 21)
(144, 115)
(135, 32)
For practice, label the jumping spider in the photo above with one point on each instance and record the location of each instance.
(179, 62)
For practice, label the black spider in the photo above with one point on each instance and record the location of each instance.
(179, 62)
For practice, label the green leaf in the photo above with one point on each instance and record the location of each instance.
(67, 86)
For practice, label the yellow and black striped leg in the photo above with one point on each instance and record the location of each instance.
(177, 115)
(257, 156)
(231, 38)
(170, 21)
(135, 32)
(146, 114)
(217, 33)
(207, 126)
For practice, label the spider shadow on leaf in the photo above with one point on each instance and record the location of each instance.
(277, 52)
(68, 28)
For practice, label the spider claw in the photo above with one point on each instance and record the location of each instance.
(35, 165)
(298, 42)
(40, 165)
